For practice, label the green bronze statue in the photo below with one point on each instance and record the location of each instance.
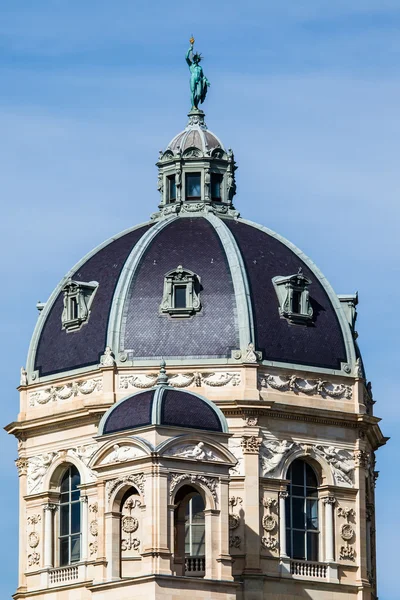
(198, 81)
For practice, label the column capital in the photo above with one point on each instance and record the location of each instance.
(22, 466)
(50, 507)
(283, 494)
(251, 444)
(329, 500)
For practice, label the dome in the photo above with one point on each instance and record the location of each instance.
(166, 406)
(234, 272)
(195, 135)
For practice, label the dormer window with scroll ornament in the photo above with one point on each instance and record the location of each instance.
(78, 298)
(294, 297)
(181, 297)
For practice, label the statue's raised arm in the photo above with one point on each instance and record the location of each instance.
(198, 81)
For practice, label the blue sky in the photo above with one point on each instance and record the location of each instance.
(306, 93)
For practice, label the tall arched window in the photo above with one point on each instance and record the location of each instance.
(70, 518)
(302, 527)
(195, 527)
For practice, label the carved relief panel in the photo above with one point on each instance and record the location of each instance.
(130, 535)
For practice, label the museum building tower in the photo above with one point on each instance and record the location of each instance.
(194, 413)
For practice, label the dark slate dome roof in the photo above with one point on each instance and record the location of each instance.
(163, 405)
(235, 260)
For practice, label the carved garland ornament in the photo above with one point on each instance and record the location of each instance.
(33, 537)
(130, 525)
(181, 380)
(347, 533)
(64, 392)
(269, 523)
(210, 482)
(94, 527)
(306, 386)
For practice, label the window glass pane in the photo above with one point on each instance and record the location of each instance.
(187, 539)
(312, 546)
(75, 548)
(74, 308)
(64, 498)
(288, 511)
(298, 513)
(172, 188)
(198, 540)
(193, 188)
(297, 472)
(75, 478)
(180, 296)
(312, 492)
(64, 551)
(289, 542)
(75, 517)
(296, 302)
(197, 506)
(64, 519)
(311, 479)
(216, 181)
(298, 545)
(298, 490)
(65, 482)
(312, 514)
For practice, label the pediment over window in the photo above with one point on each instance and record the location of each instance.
(294, 297)
(181, 297)
(78, 298)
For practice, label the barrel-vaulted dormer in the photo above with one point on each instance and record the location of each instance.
(195, 172)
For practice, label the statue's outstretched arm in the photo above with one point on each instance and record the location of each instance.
(189, 62)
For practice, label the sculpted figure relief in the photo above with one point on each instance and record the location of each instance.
(196, 452)
(273, 453)
(121, 454)
(341, 462)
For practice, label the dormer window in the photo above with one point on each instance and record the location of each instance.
(78, 298)
(294, 297)
(171, 188)
(181, 296)
(193, 186)
(216, 187)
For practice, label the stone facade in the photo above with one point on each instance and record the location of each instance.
(242, 476)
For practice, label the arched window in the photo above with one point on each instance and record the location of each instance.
(189, 521)
(302, 527)
(70, 518)
(195, 527)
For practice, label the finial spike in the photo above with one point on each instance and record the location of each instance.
(162, 378)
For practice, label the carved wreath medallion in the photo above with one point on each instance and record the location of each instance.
(347, 532)
(234, 521)
(94, 528)
(129, 524)
(269, 523)
(33, 539)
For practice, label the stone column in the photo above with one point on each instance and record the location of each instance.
(22, 466)
(282, 524)
(84, 528)
(48, 535)
(329, 502)
(113, 544)
(251, 446)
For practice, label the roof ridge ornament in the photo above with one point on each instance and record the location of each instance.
(162, 378)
